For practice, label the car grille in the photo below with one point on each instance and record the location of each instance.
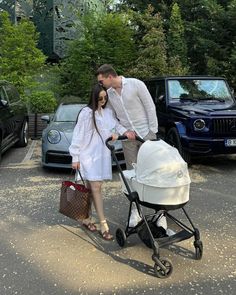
(65, 158)
(59, 158)
(224, 126)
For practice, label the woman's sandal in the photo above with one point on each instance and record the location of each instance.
(104, 231)
(89, 224)
(107, 236)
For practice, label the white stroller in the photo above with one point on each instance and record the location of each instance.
(159, 181)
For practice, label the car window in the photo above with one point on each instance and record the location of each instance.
(160, 88)
(67, 113)
(152, 89)
(156, 89)
(12, 93)
(199, 90)
(176, 90)
(214, 88)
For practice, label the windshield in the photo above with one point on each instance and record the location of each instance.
(68, 113)
(197, 90)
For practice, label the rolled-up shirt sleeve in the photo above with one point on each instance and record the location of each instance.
(149, 106)
(118, 127)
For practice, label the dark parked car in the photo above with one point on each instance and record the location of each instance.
(196, 114)
(13, 118)
(57, 136)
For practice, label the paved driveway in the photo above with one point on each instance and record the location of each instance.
(43, 252)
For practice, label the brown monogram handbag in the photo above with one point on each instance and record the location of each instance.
(75, 200)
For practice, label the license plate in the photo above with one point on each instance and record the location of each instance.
(230, 142)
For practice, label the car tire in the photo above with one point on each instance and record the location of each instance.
(173, 139)
(24, 135)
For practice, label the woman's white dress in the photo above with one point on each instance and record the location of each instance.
(87, 146)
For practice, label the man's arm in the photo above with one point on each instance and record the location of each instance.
(149, 106)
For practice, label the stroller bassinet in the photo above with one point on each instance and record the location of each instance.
(160, 181)
(160, 176)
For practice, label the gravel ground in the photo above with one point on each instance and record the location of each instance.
(44, 252)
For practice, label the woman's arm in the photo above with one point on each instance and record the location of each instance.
(77, 139)
(76, 165)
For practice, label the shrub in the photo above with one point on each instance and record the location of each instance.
(41, 102)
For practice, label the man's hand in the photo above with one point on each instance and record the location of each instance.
(130, 134)
(76, 165)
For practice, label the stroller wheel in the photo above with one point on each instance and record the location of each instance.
(198, 249)
(120, 237)
(163, 273)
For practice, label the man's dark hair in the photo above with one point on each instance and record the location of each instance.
(106, 70)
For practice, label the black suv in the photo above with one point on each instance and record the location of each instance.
(196, 114)
(13, 118)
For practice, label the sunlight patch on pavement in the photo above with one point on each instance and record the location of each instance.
(25, 165)
(72, 261)
(30, 152)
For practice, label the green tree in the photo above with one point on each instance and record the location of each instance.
(205, 33)
(142, 5)
(177, 48)
(105, 38)
(163, 7)
(231, 65)
(209, 33)
(20, 58)
(152, 59)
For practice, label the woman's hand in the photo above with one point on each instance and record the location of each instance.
(114, 136)
(76, 165)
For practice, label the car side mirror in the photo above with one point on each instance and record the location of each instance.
(4, 102)
(45, 118)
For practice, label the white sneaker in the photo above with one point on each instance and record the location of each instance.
(161, 221)
(134, 217)
(170, 232)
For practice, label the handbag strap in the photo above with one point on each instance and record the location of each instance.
(77, 171)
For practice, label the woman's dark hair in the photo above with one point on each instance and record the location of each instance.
(93, 102)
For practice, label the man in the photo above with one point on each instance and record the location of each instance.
(134, 108)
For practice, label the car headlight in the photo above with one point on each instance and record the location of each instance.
(54, 136)
(199, 124)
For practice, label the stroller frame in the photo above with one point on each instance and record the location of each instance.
(162, 266)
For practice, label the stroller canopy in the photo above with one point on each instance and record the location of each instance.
(160, 165)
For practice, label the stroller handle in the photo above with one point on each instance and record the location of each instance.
(121, 137)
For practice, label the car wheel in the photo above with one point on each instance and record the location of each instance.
(173, 139)
(24, 135)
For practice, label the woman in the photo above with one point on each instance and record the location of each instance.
(89, 153)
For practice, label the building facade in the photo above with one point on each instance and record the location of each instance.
(57, 21)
